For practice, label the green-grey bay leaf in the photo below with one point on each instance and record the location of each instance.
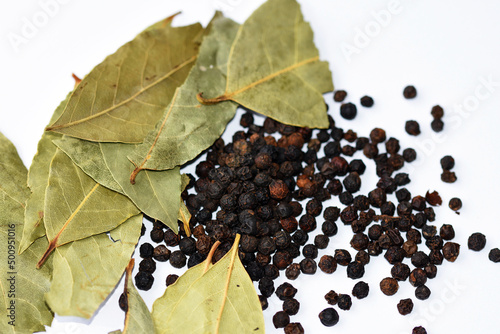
(216, 299)
(77, 207)
(38, 176)
(186, 127)
(156, 193)
(122, 98)
(22, 286)
(86, 271)
(137, 318)
(274, 67)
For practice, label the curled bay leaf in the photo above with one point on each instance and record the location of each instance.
(122, 98)
(274, 67)
(20, 282)
(38, 176)
(86, 271)
(157, 194)
(77, 207)
(186, 127)
(137, 318)
(216, 299)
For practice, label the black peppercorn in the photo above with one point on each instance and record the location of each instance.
(343, 257)
(419, 330)
(292, 271)
(294, 328)
(171, 239)
(285, 291)
(355, 270)
(420, 259)
(360, 290)
(339, 95)
(161, 253)
(422, 292)
(409, 92)
(409, 155)
(147, 265)
(412, 128)
(476, 241)
(329, 317)
(123, 302)
(447, 162)
(437, 125)
(308, 266)
(494, 255)
(310, 251)
(291, 306)
(455, 204)
(448, 177)
(348, 111)
(321, 241)
(327, 264)
(281, 319)
(144, 280)
(366, 101)
(344, 302)
(447, 232)
(266, 286)
(263, 302)
(451, 250)
(405, 306)
(417, 277)
(178, 259)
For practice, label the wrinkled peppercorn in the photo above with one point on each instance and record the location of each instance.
(422, 292)
(308, 266)
(177, 259)
(419, 330)
(437, 125)
(451, 250)
(405, 306)
(476, 241)
(494, 255)
(447, 232)
(360, 290)
(417, 277)
(448, 177)
(292, 271)
(285, 291)
(389, 286)
(161, 253)
(339, 95)
(343, 257)
(344, 302)
(455, 204)
(327, 264)
(409, 92)
(412, 128)
(291, 306)
(400, 271)
(294, 328)
(447, 162)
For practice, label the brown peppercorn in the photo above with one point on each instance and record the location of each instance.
(291, 306)
(332, 297)
(405, 306)
(292, 271)
(377, 135)
(339, 95)
(451, 250)
(327, 264)
(171, 279)
(343, 257)
(447, 232)
(410, 247)
(412, 128)
(281, 319)
(437, 112)
(476, 241)
(282, 259)
(455, 204)
(161, 253)
(389, 286)
(433, 198)
(417, 277)
(409, 92)
(448, 177)
(308, 266)
(400, 271)
(278, 190)
(419, 330)
(294, 328)
(289, 224)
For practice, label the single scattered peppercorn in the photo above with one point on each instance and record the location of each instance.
(171, 279)
(422, 292)
(412, 128)
(494, 255)
(405, 306)
(329, 317)
(455, 204)
(366, 101)
(389, 286)
(448, 177)
(339, 95)
(348, 111)
(476, 241)
(123, 302)
(360, 290)
(281, 319)
(409, 92)
(447, 162)
(419, 330)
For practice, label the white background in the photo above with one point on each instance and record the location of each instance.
(447, 49)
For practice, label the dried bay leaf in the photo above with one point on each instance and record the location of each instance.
(187, 128)
(157, 194)
(274, 67)
(77, 207)
(122, 98)
(216, 299)
(86, 271)
(31, 312)
(38, 176)
(137, 318)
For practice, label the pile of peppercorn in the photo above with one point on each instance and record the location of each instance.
(269, 185)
